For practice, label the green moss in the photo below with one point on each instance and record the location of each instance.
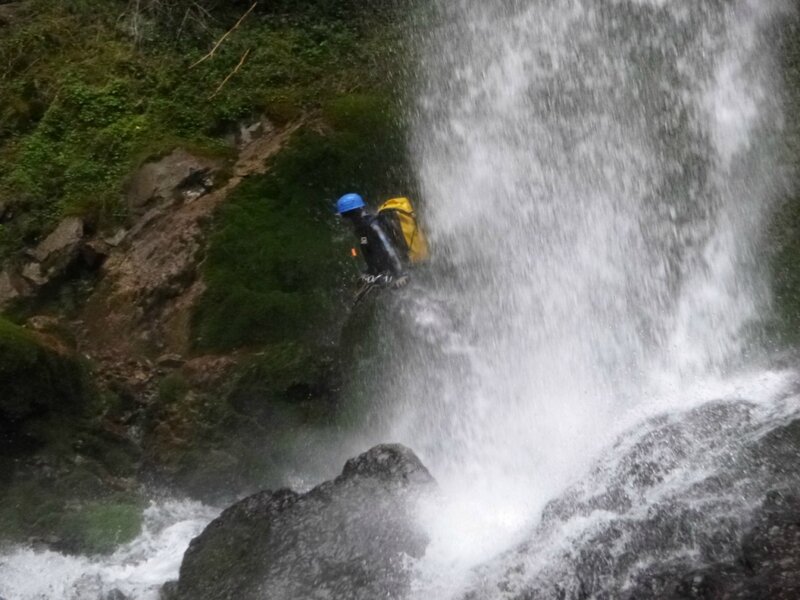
(284, 386)
(99, 527)
(279, 281)
(47, 407)
(35, 379)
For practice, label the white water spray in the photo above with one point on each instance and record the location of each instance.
(596, 175)
(137, 570)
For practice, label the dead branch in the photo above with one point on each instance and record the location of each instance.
(231, 74)
(222, 39)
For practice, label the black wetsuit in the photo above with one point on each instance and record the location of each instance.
(379, 252)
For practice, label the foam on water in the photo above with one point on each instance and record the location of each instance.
(137, 569)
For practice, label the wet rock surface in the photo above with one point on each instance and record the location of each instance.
(699, 505)
(347, 538)
(766, 563)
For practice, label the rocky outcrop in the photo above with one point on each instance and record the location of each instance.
(150, 279)
(128, 299)
(12, 287)
(348, 538)
(64, 240)
(54, 255)
(766, 563)
(700, 505)
(46, 263)
(178, 176)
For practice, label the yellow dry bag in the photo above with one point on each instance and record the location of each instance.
(398, 214)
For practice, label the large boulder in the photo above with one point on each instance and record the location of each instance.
(54, 255)
(65, 238)
(179, 175)
(348, 538)
(766, 564)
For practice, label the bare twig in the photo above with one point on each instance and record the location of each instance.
(222, 39)
(202, 9)
(231, 74)
(183, 21)
(137, 14)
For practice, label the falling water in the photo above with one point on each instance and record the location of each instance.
(596, 175)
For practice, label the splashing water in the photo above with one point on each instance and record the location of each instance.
(596, 175)
(137, 569)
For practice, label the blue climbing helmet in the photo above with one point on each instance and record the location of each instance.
(349, 202)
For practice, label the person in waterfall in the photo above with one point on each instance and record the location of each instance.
(386, 260)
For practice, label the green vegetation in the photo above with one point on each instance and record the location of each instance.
(173, 388)
(278, 257)
(91, 89)
(35, 382)
(279, 273)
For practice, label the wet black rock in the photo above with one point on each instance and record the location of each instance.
(766, 564)
(696, 505)
(169, 591)
(352, 537)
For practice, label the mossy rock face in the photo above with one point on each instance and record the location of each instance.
(280, 279)
(278, 264)
(58, 459)
(37, 384)
(94, 527)
(285, 384)
(786, 270)
(214, 444)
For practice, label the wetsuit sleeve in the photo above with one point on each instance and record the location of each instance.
(395, 263)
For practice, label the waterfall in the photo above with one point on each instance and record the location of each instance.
(596, 175)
